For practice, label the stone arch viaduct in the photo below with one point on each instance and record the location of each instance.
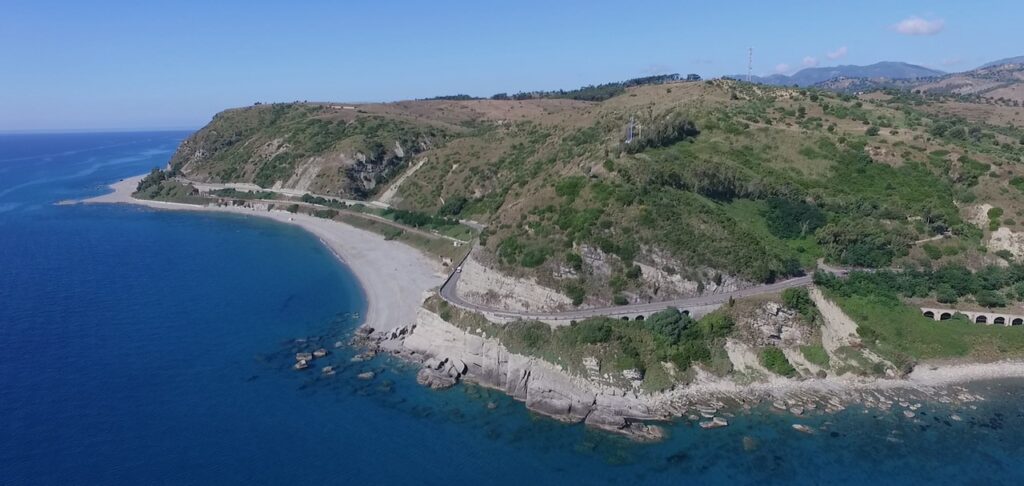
(980, 317)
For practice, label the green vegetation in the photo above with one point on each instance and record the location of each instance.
(902, 335)
(263, 144)
(599, 92)
(816, 354)
(721, 179)
(990, 286)
(665, 337)
(159, 185)
(775, 361)
(799, 300)
(236, 194)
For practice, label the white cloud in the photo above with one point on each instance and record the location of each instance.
(914, 25)
(781, 68)
(810, 61)
(837, 54)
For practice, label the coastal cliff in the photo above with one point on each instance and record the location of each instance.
(450, 353)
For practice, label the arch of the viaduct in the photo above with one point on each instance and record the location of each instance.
(979, 317)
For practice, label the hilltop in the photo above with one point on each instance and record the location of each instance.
(886, 70)
(776, 177)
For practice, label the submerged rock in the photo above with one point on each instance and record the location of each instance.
(366, 375)
(803, 428)
(714, 423)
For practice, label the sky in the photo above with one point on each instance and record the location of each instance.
(103, 65)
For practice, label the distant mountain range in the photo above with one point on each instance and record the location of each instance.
(1002, 80)
(813, 76)
(1009, 60)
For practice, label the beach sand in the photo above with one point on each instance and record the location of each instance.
(395, 277)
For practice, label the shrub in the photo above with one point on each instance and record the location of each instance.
(668, 325)
(775, 360)
(592, 332)
(990, 298)
(932, 251)
(634, 272)
(570, 187)
(574, 260)
(816, 354)
(620, 299)
(871, 131)
(946, 294)
(792, 219)
(798, 299)
(576, 292)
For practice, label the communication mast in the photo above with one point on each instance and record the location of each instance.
(750, 63)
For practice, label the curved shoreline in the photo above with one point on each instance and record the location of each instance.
(393, 277)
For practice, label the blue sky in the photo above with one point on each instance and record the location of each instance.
(140, 65)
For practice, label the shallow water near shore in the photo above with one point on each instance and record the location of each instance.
(141, 346)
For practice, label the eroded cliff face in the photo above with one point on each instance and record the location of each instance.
(450, 354)
(483, 285)
(317, 148)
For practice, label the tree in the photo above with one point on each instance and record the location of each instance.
(945, 294)
(990, 298)
(871, 131)
(799, 300)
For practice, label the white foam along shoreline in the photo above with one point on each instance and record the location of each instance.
(394, 276)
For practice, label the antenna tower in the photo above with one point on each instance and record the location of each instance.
(750, 62)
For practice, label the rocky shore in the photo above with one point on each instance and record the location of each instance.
(449, 355)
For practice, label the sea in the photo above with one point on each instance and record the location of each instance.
(142, 347)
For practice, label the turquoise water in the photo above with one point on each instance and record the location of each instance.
(149, 347)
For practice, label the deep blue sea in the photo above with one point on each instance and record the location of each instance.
(146, 347)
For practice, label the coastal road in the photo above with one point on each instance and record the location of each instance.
(448, 293)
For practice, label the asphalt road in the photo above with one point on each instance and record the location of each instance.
(449, 294)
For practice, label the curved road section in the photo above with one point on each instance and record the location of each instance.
(448, 293)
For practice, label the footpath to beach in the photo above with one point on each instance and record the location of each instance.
(394, 276)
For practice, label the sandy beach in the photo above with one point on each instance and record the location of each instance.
(394, 277)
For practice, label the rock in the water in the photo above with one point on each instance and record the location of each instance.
(301, 364)
(714, 423)
(750, 443)
(435, 379)
(304, 357)
(803, 428)
(320, 353)
(366, 375)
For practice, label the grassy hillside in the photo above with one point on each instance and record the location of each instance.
(722, 181)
